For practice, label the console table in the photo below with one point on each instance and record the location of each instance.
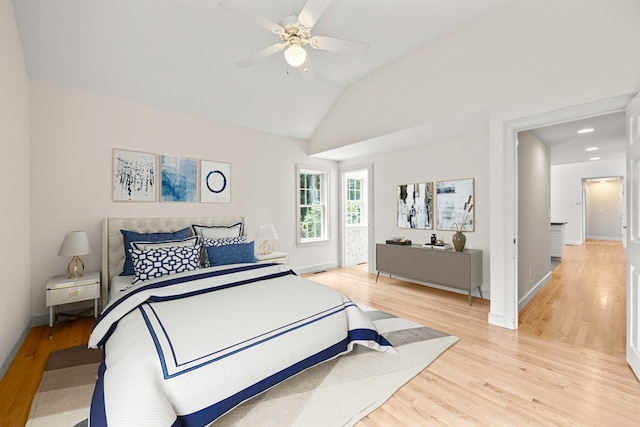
(460, 270)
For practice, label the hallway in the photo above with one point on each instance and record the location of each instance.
(584, 303)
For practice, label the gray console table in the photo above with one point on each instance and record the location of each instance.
(459, 270)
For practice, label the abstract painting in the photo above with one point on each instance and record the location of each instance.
(178, 179)
(134, 176)
(215, 182)
(452, 197)
(415, 206)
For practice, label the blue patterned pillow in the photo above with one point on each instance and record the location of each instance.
(231, 254)
(152, 263)
(132, 236)
(219, 242)
(224, 241)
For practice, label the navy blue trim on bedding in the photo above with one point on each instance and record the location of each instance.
(174, 280)
(213, 412)
(98, 413)
(243, 345)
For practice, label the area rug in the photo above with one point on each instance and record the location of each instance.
(64, 393)
(339, 392)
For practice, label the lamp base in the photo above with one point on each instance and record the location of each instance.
(266, 248)
(75, 268)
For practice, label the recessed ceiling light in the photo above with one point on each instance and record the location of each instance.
(592, 149)
(594, 158)
(586, 130)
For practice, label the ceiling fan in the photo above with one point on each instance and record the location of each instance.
(295, 34)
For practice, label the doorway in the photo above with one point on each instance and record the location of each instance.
(356, 202)
(505, 311)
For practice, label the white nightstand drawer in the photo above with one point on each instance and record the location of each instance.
(274, 257)
(73, 294)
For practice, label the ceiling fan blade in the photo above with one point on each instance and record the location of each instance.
(338, 45)
(235, 7)
(267, 51)
(311, 12)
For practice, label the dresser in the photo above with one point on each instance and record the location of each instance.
(459, 270)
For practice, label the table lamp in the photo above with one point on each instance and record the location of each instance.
(75, 243)
(266, 233)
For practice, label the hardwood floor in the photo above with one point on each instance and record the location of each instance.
(585, 303)
(565, 365)
(21, 380)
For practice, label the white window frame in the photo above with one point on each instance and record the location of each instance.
(362, 202)
(324, 203)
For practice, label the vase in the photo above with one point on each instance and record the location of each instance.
(459, 240)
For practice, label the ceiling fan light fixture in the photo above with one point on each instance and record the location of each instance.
(295, 55)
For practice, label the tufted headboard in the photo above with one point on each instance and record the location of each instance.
(113, 243)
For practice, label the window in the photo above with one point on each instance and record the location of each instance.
(313, 224)
(355, 201)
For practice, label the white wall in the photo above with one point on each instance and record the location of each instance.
(457, 157)
(604, 207)
(73, 134)
(534, 226)
(15, 260)
(522, 60)
(566, 192)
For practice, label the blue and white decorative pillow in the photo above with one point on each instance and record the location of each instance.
(164, 261)
(132, 236)
(231, 254)
(219, 242)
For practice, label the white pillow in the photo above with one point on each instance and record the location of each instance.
(217, 231)
(191, 241)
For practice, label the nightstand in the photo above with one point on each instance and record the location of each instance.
(273, 257)
(62, 290)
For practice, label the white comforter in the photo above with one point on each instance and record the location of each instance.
(184, 350)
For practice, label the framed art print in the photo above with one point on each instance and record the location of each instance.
(453, 198)
(178, 179)
(134, 176)
(415, 206)
(215, 182)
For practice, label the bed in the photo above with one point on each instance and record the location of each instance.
(185, 347)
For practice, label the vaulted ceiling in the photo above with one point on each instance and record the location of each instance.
(182, 54)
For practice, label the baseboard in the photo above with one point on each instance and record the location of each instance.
(315, 268)
(5, 365)
(496, 320)
(532, 293)
(617, 239)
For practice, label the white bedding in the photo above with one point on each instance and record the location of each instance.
(118, 283)
(185, 349)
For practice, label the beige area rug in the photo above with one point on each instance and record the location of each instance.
(65, 390)
(339, 392)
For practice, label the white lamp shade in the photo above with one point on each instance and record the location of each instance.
(267, 232)
(295, 55)
(75, 243)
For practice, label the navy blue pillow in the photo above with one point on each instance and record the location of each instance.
(231, 254)
(132, 236)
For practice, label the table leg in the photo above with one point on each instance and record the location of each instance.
(50, 322)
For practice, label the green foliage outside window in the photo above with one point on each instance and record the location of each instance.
(354, 201)
(311, 206)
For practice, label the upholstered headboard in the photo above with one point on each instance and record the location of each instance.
(113, 243)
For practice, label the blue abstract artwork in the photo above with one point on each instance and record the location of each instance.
(134, 176)
(215, 182)
(178, 179)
